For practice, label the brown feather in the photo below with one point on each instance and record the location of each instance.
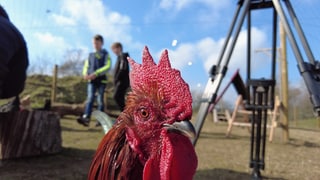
(114, 159)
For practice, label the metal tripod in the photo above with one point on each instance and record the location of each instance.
(261, 90)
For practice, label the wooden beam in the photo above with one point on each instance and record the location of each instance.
(284, 85)
(54, 84)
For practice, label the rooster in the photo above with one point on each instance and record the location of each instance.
(151, 138)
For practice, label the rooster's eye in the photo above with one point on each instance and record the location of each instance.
(144, 113)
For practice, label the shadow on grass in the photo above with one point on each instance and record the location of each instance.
(225, 174)
(65, 154)
(213, 135)
(305, 129)
(299, 143)
(71, 163)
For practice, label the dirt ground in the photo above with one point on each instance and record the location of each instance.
(219, 157)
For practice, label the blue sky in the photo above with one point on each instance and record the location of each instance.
(199, 26)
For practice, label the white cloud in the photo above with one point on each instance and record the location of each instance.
(99, 19)
(210, 10)
(180, 4)
(54, 46)
(49, 39)
(182, 55)
(63, 20)
(176, 4)
(208, 50)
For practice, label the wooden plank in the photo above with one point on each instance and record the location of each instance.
(242, 124)
(215, 116)
(274, 117)
(250, 112)
(234, 115)
(67, 109)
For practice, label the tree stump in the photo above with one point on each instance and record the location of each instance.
(29, 133)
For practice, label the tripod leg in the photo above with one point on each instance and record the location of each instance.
(309, 71)
(225, 45)
(213, 85)
(209, 95)
(257, 160)
(289, 32)
(301, 34)
(253, 127)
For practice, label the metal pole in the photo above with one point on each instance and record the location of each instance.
(274, 54)
(289, 32)
(264, 118)
(253, 127)
(212, 88)
(284, 85)
(233, 23)
(301, 34)
(246, 6)
(248, 56)
(209, 95)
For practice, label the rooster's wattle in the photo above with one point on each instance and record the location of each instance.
(150, 139)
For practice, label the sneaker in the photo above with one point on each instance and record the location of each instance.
(83, 121)
(98, 124)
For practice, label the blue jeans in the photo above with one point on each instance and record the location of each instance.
(92, 88)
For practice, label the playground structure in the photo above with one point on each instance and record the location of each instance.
(260, 96)
(241, 116)
(246, 120)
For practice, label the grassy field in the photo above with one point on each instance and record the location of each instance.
(219, 157)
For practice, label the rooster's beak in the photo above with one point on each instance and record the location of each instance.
(183, 127)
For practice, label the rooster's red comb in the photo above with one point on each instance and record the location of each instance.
(169, 82)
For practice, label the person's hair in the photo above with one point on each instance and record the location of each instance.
(3, 13)
(98, 37)
(116, 45)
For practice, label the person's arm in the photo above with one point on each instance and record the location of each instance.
(8, 46)
(4, 70)
(3, 75)
(123, 67)
(103, 70)
(124, 63)
(85, 68)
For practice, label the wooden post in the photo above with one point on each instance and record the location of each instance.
(54, 84)
(284, 85)
(295, 115)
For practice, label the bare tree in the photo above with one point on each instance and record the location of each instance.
(73, 63)
(299, 99)
(41, 65)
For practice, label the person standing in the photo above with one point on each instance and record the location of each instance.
(94, 71)
(121, 74)
(13, 58)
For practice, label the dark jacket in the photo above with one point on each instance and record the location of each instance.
(13, 59)
(121, 73)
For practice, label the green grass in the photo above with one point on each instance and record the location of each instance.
(70, 90)
(312, 123)
(219, 157)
